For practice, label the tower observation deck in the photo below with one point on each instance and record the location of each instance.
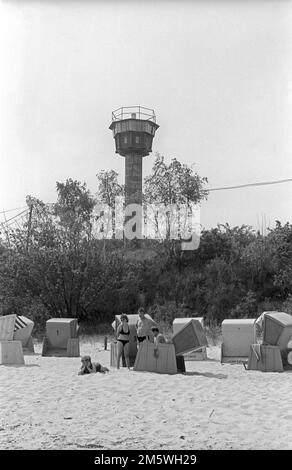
(133, 129)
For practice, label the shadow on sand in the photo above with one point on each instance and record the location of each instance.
(208, 374)
(20, 365)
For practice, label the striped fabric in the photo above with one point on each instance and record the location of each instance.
(19, 323)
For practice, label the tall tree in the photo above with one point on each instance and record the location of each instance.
(74, 209)
(108, 191)
(172, 185)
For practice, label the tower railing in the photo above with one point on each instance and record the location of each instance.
(134, 112)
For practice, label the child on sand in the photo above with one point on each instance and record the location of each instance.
(157, 337)
(89, 367)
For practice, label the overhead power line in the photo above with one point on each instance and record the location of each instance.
(247, 185)
(11, 218)
(11, 210)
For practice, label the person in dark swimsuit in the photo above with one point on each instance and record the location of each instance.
(123, 340)
(143, 326)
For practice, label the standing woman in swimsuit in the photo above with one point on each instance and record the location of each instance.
(123, 338)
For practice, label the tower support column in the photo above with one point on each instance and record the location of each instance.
(133, 179)
(133, 190)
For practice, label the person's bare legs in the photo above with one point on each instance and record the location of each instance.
(126, 352)
(120, 352)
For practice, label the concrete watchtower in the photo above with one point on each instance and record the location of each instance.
(133, 129)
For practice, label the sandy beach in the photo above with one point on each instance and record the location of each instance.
(46, 405)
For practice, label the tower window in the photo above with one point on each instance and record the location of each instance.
(137, 139)
(125, 139)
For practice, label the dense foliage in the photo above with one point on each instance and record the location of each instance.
(53, 266)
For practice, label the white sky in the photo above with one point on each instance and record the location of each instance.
(218, 75)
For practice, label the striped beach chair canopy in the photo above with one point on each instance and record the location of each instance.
(20, 322)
